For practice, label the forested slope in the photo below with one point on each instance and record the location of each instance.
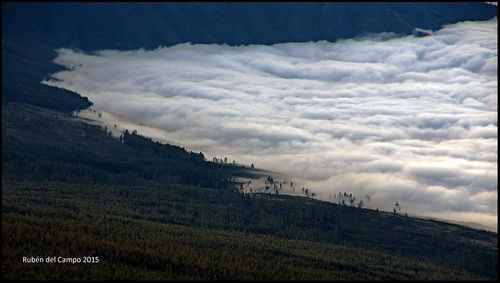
(57, 169)
(153, 211)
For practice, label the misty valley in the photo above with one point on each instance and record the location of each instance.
(393, 118)
(249, 141)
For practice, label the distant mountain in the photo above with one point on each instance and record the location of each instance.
(148, 25)
(31, 31)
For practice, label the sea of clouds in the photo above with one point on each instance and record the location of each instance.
(407, 119)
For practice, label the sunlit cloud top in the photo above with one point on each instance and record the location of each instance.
(409, 119)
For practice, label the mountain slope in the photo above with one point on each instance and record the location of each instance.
(54, 164)
(134, 25)
(155, 211)
(134, 249)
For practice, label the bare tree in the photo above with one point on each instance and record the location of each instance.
(396, 208)
(360, 204)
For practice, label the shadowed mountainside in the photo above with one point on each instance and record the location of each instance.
(147, 25)
(154, 211)
(59, 169)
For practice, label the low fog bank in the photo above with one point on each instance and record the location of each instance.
(409, 120)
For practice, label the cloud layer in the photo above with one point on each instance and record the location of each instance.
(409, 119)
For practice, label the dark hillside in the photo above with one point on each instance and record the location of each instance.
(157, 211)
(132, 249)
(53, 164)
(134, 25)
(40, 144)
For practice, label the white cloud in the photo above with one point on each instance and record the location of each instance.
(405, 119)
